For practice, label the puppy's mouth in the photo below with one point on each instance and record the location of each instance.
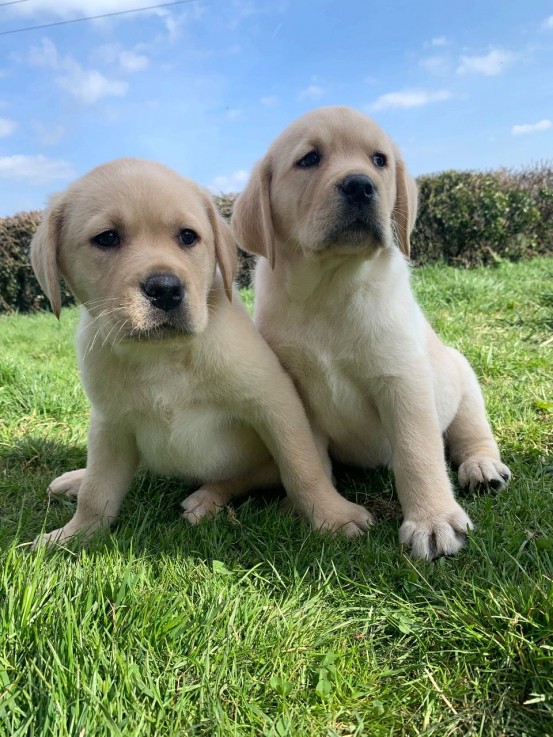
(160, 332)
(357, 229)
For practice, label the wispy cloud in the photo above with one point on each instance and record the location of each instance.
(409, 99)
(435, 64)
(90, 85)
(547, 25)
(35, 169)
(524, 129)
(49, 135)
(490, 64)
(439, 41)
(87, 85)
(73, 8)
(7, 127)
(230, 183)
(133, 62)
(270, 101)
(311, 92)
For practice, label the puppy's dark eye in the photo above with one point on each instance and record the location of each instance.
(313, 158)
(107, 239)
(379, 160)
(187, 237)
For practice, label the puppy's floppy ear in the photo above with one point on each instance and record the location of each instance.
(44, 251)
(226, 251)
(252, 221)
(405, 207)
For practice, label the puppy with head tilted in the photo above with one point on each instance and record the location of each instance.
(177, 375)
(331, 208)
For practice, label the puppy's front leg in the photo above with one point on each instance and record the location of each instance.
(111, 464)
(280, 420)
(434, 524)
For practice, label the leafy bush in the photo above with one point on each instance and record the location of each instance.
(469, 218)
(538, 183)
(19, 289)
(465, 219)
(246, 261)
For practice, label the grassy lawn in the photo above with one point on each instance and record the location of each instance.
(253, 625)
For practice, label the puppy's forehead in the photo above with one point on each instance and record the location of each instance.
(138, 190)
(340, 128)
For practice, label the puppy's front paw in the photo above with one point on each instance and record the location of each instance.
(202, 504)
(68, 484)
(483, 472)
(343, 516)
(50, 539)
(436, 535)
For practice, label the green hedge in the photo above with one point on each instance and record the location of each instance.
(19, 290)
(465, 219)
(470, 218)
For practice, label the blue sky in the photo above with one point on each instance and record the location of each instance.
(205, 86)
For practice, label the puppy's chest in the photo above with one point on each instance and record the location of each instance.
(181, 429)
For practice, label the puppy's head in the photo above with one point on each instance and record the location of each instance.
(331, 182)
(137, 244)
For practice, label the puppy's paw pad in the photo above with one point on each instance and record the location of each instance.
(202, 504)
(68, 484)
(436, 535)
(477, 472)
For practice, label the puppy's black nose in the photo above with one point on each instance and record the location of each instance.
(358, 189)
(163, 290)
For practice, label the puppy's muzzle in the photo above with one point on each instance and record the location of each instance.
(357, 190)
(165, 291)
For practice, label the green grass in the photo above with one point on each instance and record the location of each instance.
(253, 625)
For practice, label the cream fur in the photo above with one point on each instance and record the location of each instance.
(193, 392)
(378, 385)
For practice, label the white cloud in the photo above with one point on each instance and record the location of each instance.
(44, 55)
(44, 10)
(439, 41)
(548, 23)
(74, 8)
(490, 64)
(7, 127)
(541, 125)
(408, 99)
(35, 169)
(173, 23)
(132, 62)
(90, 85)
(270, 101)
(312, 92)
(231, 183)
(49, 136)
(87, 85)
(435, 64)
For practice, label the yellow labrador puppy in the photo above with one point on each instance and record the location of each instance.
(178, 377)
(331, 207)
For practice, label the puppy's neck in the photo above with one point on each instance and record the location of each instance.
(307, 276)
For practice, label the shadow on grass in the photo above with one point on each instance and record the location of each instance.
(252, 534)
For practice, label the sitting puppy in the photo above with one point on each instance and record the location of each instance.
(178, 377)
(331, 207)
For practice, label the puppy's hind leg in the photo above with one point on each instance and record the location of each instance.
(211, 498)
(472, 446)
